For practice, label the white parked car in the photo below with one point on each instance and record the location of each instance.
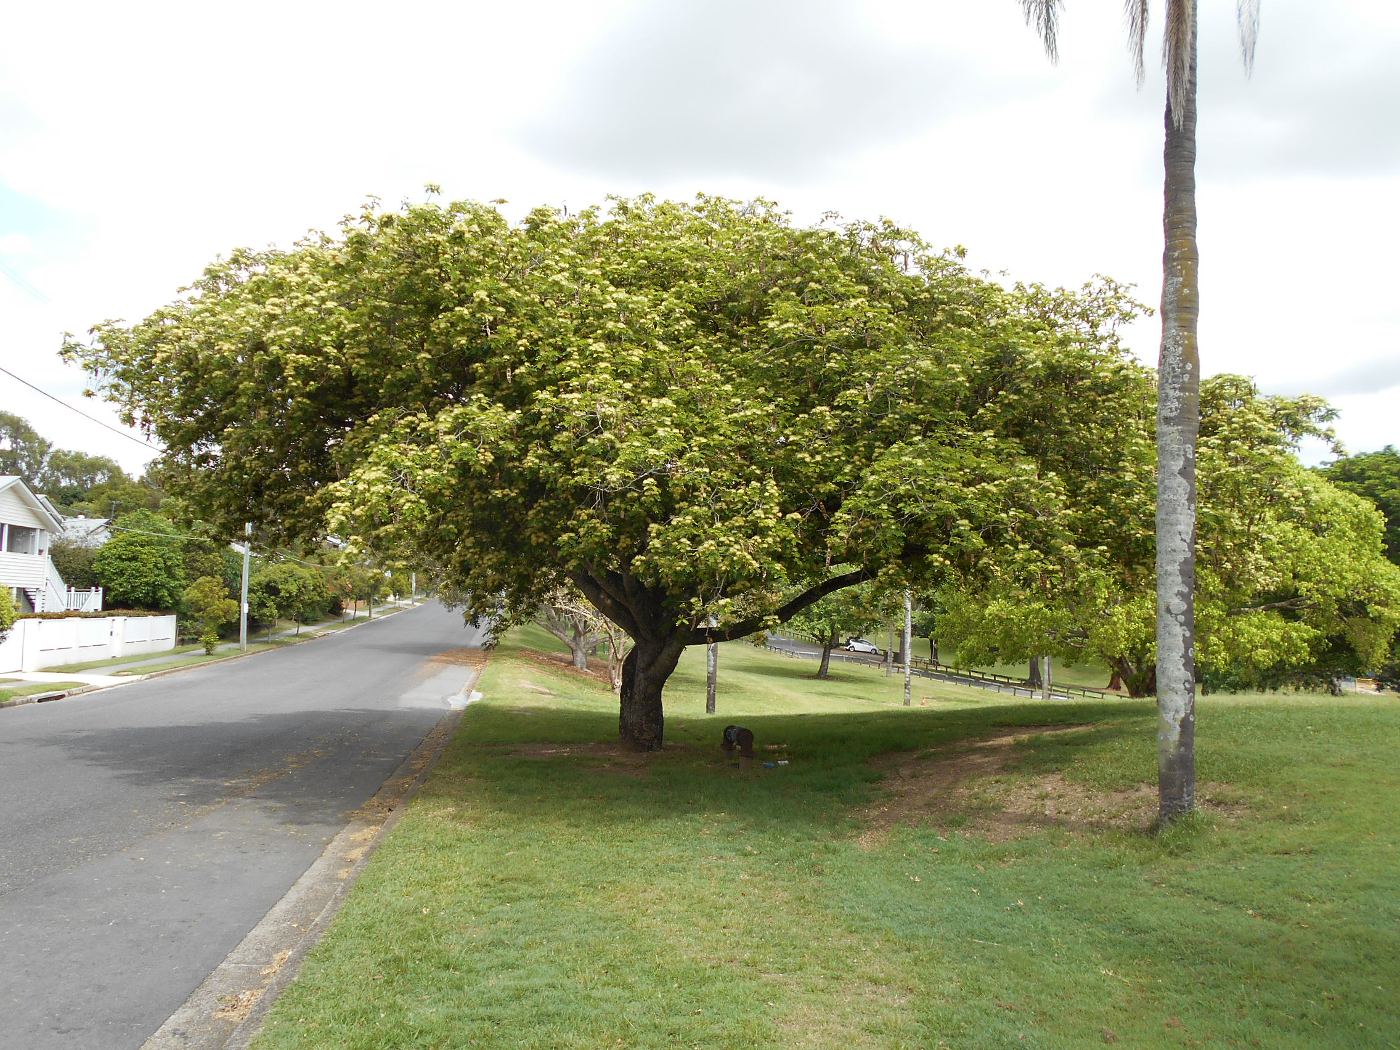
(860, 645)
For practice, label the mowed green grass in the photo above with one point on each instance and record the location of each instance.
(547, 890)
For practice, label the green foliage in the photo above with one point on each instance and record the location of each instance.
(1376, 476)
(687, 411)
(118, 497)
(142, 565)
(23, 451)
(287, 591)
(74, 562)
(209, 603)
(1291, 580)
(68, 477)
(8, 612)
(843, 614)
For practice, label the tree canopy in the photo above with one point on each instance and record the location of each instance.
(685, 410)
(143, 565)
(1376, 476)
(1291, 575)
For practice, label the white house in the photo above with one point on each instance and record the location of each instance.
(83, 531)
(27, 522)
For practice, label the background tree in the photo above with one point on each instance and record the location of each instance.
(74, 562)
(142, 565)
(23, 451)
(209, 603)
(1293, 582)
(838, 616)
(284, 590)
(567, 615)
(1178, 381)
(1376, 476)
(686, 411)
(67, 476)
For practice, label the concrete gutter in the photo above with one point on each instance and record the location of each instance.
(228, 1009)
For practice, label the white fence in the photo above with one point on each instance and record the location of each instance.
(35, 643)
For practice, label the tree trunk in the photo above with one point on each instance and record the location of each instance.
(711, 676)
(579, 645)
(1139, 679)
(1178, 419)
(932, 650)
(1033, 675)
(824, 671)
(1115, 681)
(644, 674)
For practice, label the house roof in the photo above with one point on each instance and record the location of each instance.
(39, 506)
(83, 528)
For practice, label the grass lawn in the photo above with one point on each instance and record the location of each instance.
(12, 689)
(949, 875)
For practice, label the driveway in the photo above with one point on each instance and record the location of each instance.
(147, 828)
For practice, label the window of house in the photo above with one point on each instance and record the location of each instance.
(21, 540)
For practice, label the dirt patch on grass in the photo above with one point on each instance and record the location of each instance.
(460, 657)
(606, 757)
(962, 786)
(938, 787)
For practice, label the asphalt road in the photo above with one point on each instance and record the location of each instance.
(144, 830)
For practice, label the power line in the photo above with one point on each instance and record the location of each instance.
(71, 408)
(19, 282)
(273, 551)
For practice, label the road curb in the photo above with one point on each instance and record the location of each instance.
(227, 1010)
(57, 694)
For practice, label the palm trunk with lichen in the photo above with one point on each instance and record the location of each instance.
(1178, 415)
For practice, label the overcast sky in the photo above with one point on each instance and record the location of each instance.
(140, 140)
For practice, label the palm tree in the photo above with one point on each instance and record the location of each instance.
(1178, 382)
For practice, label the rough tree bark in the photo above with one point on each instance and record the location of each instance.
(1178, 419)
(1139, 678)
(828, 644)
(644, 674)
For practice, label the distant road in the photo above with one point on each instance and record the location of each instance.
(147, 828)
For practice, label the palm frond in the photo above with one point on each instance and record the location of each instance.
(1178, 43)
(1135, 13)
(1247, 14)
(1045, 16)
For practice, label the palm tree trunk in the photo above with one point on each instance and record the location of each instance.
(1178, 416)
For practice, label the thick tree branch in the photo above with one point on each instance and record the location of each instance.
(706, 635)
(605, 603)
(1298, 602)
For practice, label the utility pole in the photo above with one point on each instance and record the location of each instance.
(243, 600)
(711, 671)
(1045, 678)
(908, 644)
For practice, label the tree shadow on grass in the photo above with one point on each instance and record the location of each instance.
(517, 766)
